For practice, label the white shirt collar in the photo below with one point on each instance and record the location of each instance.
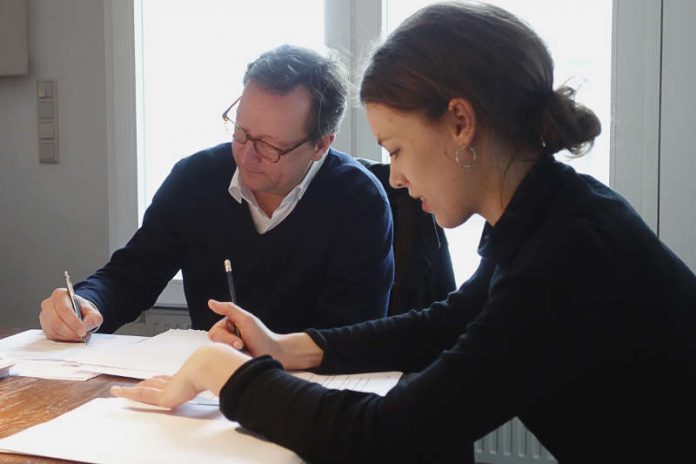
(263, 223)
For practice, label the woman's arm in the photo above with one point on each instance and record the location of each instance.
(407, 342)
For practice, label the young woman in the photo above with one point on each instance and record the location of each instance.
(578, 320)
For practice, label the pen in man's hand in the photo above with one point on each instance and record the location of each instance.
(73, 301)
(233, 297)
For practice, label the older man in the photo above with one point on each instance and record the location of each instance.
(307, 229)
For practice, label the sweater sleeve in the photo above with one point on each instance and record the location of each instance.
(137, 273)
(406, 342)
(458, 398)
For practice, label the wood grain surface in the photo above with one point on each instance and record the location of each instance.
(27, 401)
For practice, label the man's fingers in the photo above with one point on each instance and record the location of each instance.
(91, 318)
(65, 312)
(59, 320)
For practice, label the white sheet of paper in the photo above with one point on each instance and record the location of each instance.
(33, 344)
(373, 382)
(114, 430)
(5, 366)
(161, 354)
(58, 370)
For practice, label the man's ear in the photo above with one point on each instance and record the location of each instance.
(322, 145)
(463, 120)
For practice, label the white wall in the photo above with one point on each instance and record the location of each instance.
(53, 217)
(677, 226)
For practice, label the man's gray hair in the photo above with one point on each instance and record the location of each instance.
(282, 69)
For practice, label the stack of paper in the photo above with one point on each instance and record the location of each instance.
(5, 365)
(35, 355)
(162, 354)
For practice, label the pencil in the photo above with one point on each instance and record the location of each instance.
(233, 296)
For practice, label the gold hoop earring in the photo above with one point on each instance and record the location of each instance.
(458, 154)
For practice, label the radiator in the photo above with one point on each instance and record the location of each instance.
(157, 320)
(512, 443)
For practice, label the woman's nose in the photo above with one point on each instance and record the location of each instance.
(396, 179)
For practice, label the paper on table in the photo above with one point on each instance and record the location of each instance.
(5, 365)
(37, 356)
(57, 370)
(191, 433)
(373, 382)
(161, 354)
(33, 344)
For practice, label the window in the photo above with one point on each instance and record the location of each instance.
(191, 62)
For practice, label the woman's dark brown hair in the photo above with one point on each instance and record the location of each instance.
(489, 57)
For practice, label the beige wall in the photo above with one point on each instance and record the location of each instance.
(53, 217)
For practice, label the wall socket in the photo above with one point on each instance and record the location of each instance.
(47, 119)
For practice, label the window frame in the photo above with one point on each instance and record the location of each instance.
(635, 90)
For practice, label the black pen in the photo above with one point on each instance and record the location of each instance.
(73, 301)
(233, 297)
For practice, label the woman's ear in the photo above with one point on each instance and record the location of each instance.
(463, 120)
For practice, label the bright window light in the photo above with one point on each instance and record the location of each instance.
(192, 57)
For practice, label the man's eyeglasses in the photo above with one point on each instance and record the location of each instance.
(264, 149)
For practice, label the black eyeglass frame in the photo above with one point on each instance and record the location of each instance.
(254, 140)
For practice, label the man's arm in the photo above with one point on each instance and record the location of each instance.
(137, 273)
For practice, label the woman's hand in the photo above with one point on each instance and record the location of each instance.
(293, 351)
(208, 368)
(254, 335)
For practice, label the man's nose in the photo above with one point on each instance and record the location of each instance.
(247, 154)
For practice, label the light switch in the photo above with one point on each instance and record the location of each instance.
(47, 153)
(46, 130)
(45, 89)
(45, 109)
(47, 119)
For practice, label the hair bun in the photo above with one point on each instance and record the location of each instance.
(568, 125)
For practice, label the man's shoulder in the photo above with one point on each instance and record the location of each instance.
(344, 174)
(214, 158)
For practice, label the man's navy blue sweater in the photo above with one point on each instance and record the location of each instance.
(329, 263)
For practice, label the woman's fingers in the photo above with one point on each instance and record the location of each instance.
(143, 394)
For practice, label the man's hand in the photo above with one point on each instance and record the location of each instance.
(59, 321)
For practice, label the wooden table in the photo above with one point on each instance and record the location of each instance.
(27, 401)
